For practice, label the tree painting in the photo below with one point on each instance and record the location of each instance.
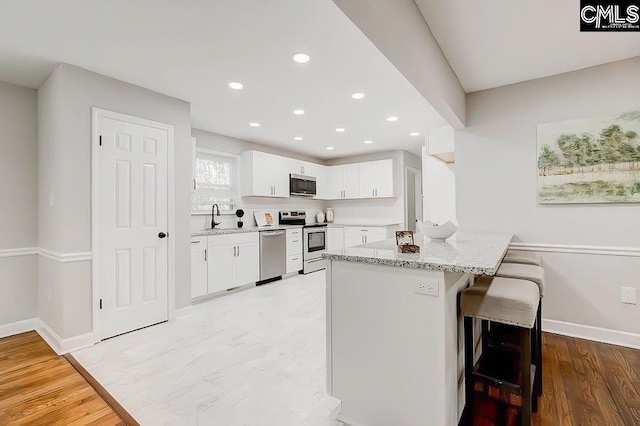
(593, 160)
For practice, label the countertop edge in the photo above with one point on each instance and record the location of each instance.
(476, 270)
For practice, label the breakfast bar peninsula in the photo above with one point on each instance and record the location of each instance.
(394, 333)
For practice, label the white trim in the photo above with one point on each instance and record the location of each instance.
(65, 257)
(578, 249)
(19, 327)
(183, 312)
(26, 251)
(588, 332)
(96, 115)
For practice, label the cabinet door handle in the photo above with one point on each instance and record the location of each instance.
(194, 184)
(238, 251)
(234, 251)
(205, 255)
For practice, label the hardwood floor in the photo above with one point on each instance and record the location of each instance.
(39, 387)
(585, 383)
(589, 383)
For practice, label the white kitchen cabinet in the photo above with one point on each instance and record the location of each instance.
(247, 263)
(335, 238)
(298, 167)
(343, 181)
(221, 267)
(199, 266)
(323, 191)
(294, 250)
(264, 175)
(355, 236)
(232, 260)
(376, 179)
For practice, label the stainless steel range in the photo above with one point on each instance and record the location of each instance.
(314, 240)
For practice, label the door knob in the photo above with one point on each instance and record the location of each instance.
(162, 235)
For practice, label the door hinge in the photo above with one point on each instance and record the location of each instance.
(100, 140)
(100, 303)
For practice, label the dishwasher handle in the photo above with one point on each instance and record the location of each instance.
(271, 233)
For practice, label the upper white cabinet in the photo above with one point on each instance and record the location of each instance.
(376, 179)
(267, 175)
(343, 182)
(264, 175)
(298, 167)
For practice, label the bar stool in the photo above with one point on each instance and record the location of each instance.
(535, 274)
(504, 301)
(522, 257)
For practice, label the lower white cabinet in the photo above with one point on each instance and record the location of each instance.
(221, 262)
(355, 236)
(199, 266)
(294, 250)
(335, 238)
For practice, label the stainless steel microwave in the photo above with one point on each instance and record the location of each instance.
(302, 186)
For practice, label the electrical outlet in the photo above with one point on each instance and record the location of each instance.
(628, 295)
(428, 289)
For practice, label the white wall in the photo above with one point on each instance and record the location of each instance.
(399, 31)
(18, 203)
(64, 106)
(251, 204)
(496, 191)
(439, 185)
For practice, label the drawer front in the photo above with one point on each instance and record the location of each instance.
(230, 239)
(294, 245)
(297, 232)
(367, 230)
(294, 263)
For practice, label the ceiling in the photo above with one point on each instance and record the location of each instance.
(493, 43)
(191, 50)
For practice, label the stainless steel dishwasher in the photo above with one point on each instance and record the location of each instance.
(273, 255)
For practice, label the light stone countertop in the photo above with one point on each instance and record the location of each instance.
(465, 252)
(224, 231)
(364, 224)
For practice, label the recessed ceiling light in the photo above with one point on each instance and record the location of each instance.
(392, 118)
(358, 95)
(415, 134)
(236, 85)
(340, 129)
(298, 138)
(330, 148)
(254, 124)
(298, 111)
(368, 142)
(301, 58)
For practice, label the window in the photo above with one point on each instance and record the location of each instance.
(216, 182)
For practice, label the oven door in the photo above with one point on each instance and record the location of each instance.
(302, 186)
(315, 240)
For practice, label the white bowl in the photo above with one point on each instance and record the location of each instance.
(438, 232)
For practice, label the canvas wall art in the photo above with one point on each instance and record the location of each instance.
(590, 160)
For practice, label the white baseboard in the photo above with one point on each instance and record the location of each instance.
(62, 346)
(183, 312)
(588, 332)
(19, 327)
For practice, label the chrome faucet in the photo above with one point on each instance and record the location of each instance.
(213, 221)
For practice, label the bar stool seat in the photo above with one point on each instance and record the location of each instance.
(504, 300)
(522, 257)
(524, 272)
(508, 301)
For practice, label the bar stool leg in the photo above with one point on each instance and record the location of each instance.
(525, 416)
(539, 349)
(469, 346)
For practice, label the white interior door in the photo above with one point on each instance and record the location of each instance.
(132, 225)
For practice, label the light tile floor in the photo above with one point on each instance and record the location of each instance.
(252, 358)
